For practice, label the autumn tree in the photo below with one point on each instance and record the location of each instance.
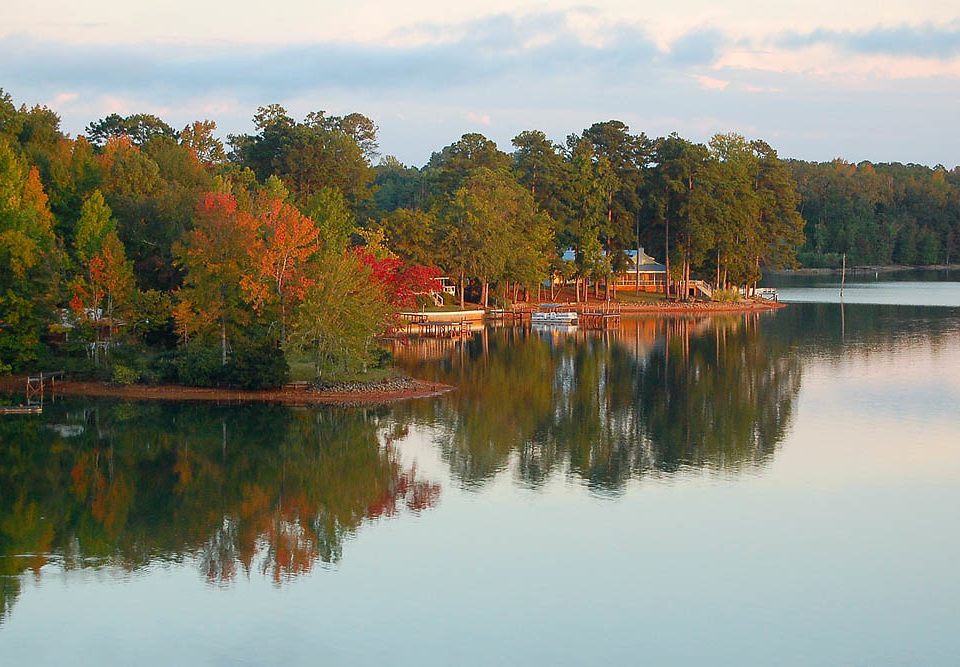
(279, 257)
(215, 256)
(199, 137)
(399, 281)
(28, 260)
(106, 281)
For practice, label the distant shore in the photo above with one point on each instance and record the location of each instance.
(867, 268)
(294, 396)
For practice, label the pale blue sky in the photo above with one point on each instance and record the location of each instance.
(816, 79)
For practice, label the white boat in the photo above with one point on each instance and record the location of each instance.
(553, 317)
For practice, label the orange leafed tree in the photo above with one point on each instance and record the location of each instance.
(288, 239)
(216, 257)
(109, 282)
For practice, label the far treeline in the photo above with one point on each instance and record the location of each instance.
(152, 254)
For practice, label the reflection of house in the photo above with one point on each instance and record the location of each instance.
(652, 275)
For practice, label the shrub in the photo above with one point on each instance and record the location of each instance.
(199, 366)
(124, 374)
(260, 365)
(382, 357)
(731, 295)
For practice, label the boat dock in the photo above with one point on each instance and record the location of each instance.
(36, 391)
(445, 329)
(21, 410)
(517, 314)
(601, 316)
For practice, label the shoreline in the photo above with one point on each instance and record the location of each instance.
(865, 268)
(699, 307)
(302, 397)
(297, 396)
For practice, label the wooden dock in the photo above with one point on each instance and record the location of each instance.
(517, 314)
(602, 316)
(445, 329)
(599, 320)
(38, 384)
(20, 410)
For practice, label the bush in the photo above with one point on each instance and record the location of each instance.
(382, 357)
(731, 295)
(257, 364)
(124, 374)
(260, 365)
(199, 366)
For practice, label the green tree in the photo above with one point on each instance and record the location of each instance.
(28, 261)
(340, 317)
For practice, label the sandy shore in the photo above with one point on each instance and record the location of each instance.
(292, 396)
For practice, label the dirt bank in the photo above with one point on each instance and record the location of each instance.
(286, 396)
(698, 307)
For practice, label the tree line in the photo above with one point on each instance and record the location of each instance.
(221, 262)
(878, 213)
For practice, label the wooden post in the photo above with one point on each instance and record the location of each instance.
(843, 273)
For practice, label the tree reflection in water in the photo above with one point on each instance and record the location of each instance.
(242, 489)
(273, 490)
(653, 396)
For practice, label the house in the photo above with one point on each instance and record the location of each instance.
(652, 274)
(446, 285)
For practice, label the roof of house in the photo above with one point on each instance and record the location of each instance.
(647, 263)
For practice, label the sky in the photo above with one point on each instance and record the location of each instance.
(817, 79)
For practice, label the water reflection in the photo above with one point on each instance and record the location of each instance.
(651, 397)
(240, 490)
(273, 492)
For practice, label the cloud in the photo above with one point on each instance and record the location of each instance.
(62, 99)
(481, 118)
(479, 51)
(698, 47)
(709, 83)
(752, 88)
(835, 91)
(923, 41)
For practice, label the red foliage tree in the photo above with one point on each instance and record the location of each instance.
(400, 281)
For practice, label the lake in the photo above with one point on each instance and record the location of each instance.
(779, 488)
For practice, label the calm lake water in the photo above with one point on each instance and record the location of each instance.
(774, 489)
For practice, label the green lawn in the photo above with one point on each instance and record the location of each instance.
(303, 370)
(624, 296)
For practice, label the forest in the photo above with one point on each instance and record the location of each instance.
(137, 252)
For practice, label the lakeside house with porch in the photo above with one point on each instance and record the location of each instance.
(642, 270)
